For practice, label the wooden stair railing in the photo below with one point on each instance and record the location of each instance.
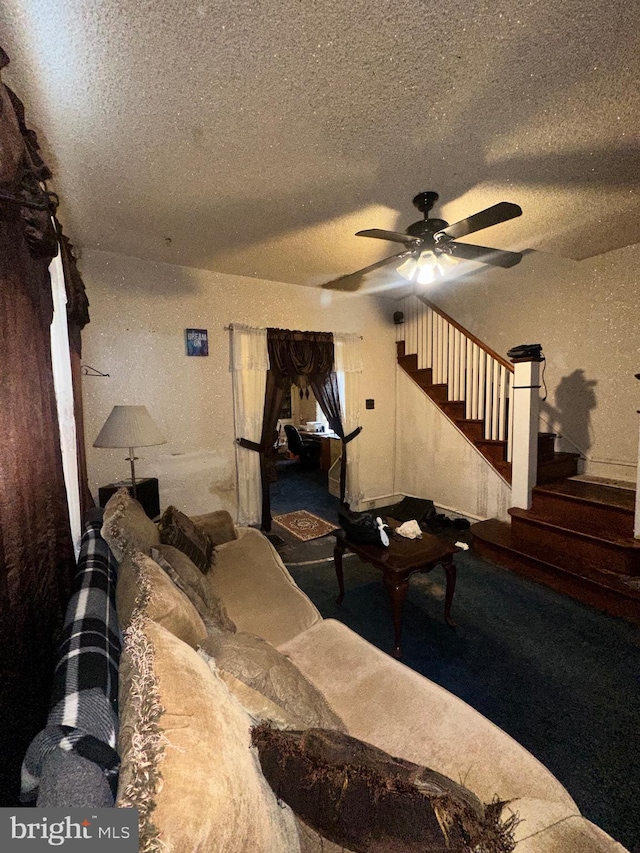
(471, 384)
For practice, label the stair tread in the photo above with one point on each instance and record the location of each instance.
(596, 535)
(591, 492)
(498, 533)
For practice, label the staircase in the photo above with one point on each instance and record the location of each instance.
(471, 385)
(577, 538)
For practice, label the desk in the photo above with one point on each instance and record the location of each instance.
(397, 563)
(330, 446)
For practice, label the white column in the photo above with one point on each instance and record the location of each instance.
(526, 404)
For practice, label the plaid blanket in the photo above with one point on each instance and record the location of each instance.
(84, 713)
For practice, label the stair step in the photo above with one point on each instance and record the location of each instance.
(570, 548)
(546, 446)
(586, 507)
(562, 465)
(492, 449)
(439, 393)
(455, 409)
(611, 593)
(409, 362)
(423, 376)
(472, 428)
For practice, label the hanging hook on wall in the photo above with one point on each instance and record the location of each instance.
(91, 371)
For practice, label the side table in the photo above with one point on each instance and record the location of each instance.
(147, 494)
(397, 563)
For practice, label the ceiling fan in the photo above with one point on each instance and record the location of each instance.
(438, 237)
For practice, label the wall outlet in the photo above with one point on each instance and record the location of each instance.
(371, 505)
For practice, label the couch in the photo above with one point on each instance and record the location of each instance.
(218, 642)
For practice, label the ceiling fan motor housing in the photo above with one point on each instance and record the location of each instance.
(426, 228)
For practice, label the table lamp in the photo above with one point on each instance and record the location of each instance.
(129, 426)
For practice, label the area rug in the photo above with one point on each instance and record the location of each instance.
(304, 525)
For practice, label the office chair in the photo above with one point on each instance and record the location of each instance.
(307, 450)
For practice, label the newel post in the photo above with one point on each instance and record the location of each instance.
(636, 523)
(526, 406)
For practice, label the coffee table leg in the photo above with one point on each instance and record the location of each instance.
(397, 593)
(338, 551)
(450, 570)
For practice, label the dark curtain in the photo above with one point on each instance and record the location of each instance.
(77, 319)
(36, 552)
(326, 392)
(303, 359)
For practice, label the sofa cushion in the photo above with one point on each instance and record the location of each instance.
(143, 587)
(262, 667)
(187, 764)
(218, 525)
(360, 796)
(259, 593)
(178, 529)
(187, 577)
(260, 708)
(457, 741)
(126, 526)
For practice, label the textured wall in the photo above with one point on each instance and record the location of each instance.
(435, 461)
(139, 311)
(586, 315)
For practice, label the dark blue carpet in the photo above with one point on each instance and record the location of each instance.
(561, 678)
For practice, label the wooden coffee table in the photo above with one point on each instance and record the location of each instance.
(397, 563)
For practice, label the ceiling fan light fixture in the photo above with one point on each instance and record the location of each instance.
(427, 268)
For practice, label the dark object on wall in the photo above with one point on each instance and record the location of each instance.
(369, 404)
(196, 341)
(306, 449)
(147, 494)
(398, 318)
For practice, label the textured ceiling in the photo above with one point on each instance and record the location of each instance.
(254, 137)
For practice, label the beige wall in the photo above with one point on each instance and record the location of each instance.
(434, 460)
(587, 317)
(139, 311)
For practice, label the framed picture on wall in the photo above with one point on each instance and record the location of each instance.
(196, 341)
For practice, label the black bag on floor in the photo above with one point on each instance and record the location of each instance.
(362, 528)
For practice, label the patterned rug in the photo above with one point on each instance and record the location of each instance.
(304, 525)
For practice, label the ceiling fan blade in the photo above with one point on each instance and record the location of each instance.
(495, 257)
(353, 280)
(394, 236)
(500, 212)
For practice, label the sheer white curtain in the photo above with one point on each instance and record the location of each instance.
(348, 367)
(63, 384)
(249, 365)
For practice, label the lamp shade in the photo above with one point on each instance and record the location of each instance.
(129, 426)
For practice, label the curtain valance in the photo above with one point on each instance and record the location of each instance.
(300, 357)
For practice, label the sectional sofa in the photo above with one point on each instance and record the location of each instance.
(224, 659)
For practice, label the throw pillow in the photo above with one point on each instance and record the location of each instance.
(143, 587)
(188, 578)
(218, 525)
(261, 666)
(357, 795)
(187, 764)
(178, 530)
(126, 526)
